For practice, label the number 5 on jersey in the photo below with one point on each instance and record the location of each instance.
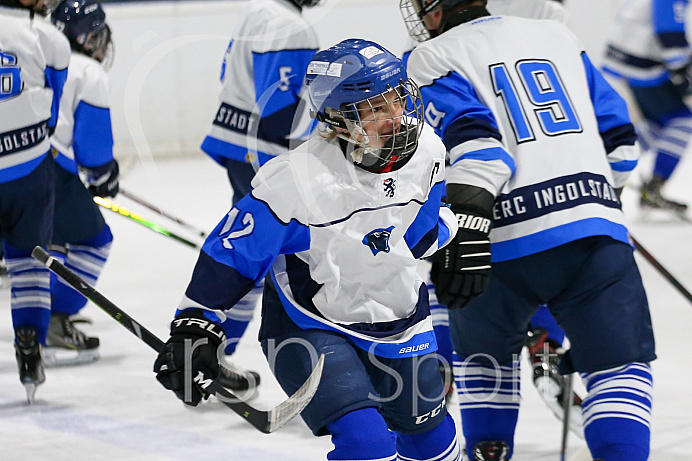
(246, 221)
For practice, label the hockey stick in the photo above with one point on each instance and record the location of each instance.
(567, 404)
(264, 421)
(661, 270)
(141, 220)
(158, 210)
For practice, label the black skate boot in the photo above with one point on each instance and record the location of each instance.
(236, 379)
(651, 197)
(495, 450)
(28, 354)
(545, 354)
(67, 345)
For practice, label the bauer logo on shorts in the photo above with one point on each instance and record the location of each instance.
(378, 240)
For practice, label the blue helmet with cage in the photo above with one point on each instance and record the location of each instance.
(361, 91)
(84, 24)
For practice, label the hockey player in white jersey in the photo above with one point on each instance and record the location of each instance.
(262, 78)
(337, 225)
(83, 144)
(34, 58)
(648, 48)
(538, 143)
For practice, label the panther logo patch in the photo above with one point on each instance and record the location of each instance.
(378, 240)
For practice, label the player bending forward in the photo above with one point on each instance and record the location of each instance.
(337, 226)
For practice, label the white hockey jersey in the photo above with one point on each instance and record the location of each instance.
(84, 136)
(34, 57)
(342, 245)
(260, 109)
(647, 39)
(526, 116)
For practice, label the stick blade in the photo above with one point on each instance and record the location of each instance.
(291, 407)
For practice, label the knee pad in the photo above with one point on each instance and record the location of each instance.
(362, 435)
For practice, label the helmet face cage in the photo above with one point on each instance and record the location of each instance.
(412, 11)
(383, 129)
(97, 44)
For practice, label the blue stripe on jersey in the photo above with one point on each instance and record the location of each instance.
(625, 165)
(623, 135)
(488, 155)
(556, 236)
(610, 108)
(423, 231)
(251, 236)
(218, 150)
(422, 343)
(66, 163)
(557, 194)
(223, 64)
(55, 80)
(19, 171)
(93, 135)
(278, 77)
(673, 39)
(467, 129)
(455, 98)
(667, 18)
(216, 285)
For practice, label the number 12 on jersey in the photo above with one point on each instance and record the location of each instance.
(546, 96)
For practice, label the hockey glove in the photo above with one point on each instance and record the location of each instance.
(460, 271)
(193, 344)
(104, 180)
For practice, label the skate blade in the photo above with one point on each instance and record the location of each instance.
(61, 357)
(30, 392)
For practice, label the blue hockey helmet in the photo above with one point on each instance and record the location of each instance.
(84, 24)
(362, 92)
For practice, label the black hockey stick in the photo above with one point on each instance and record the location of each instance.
(105, 203)
(567, 404)
(662, 270)
(265, 421)
(158, 210)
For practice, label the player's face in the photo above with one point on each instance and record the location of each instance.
(431, 21)
(381, 117)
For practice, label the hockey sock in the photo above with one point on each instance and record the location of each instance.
(86, 259)
(617, 412)
(671, 145)
(544, 319)
(440, 320)
(362, 435)
(489, 401)
(440, 444)
(30, 291)
(238, 318)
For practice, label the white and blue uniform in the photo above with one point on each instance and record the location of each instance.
(340, 244)
(262, 77)
(82, 140)
(647, 43)
(34, 58)
(534, 123)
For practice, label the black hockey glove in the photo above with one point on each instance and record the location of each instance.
(104, 180)
(460, 271)
(193, 343)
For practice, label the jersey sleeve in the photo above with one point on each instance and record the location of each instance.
(469, 131)
(240, 251)
(93, 134)
(614, 126)
(668, 17)
(57, 53)
(434, 226)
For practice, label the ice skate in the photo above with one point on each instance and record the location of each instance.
(652, 198)
(67, 345)
(544, 354)
(28, 354)
(495, 450)
(236, 379)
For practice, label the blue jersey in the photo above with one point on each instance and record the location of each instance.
(34, 57)
(534, 123)
(340, 243)
(260, 108)
(648, 39)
